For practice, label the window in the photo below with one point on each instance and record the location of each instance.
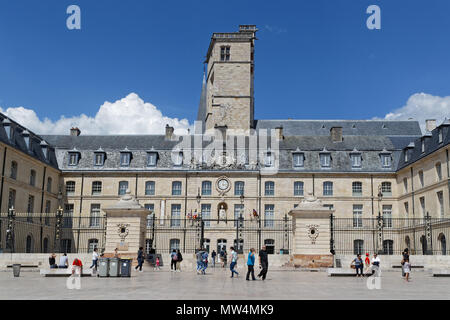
(438, 171)
(440, 135)
(356, 160)
(298, 159)
(357, 216)
(357, 188)
(96, 188)
(92, 244)
(176, 188)
(225, 53)
(49, 184)
(406, 206)
(177, 158)
(70, 188)
(358, 246)
(238, 210)
(66, 245)
(423, 146)
(270, 246)
(206, 188)
(99, 158)
(406, 155)
(269, 188)
(68, 215)
(29, 244)
(422, 205)
(48, 209)
(386, 160)
(151, 159)
(12, 199)
(298, 188)
(32, 178)
(94, 220)
(73, 158)
(386, 188)
(325, 160)
(239, 188)
(206, 214)
(45, 245)
(149, 246)
(387, 216)
(388, 247)
(269, 215)
(13, 170)
(30, 208)
(174, 244)
(175, 215)
(328, 188)
(405, 184)
(150, 188)
(269, 159)
(440, 198)
(125, 158)
(150, 207)
(123, 187)
(422, 183)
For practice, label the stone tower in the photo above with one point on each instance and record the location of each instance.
(229, 97)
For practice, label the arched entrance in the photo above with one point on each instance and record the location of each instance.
(423, 241)
(443, 243)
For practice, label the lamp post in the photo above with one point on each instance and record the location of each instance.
(240, 224)
(201, 223)
(59, 215)
(379, 222)
(10, 230)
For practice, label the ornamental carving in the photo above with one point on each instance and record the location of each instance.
(122, 230)
(313, 232)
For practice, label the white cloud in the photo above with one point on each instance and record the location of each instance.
(422, 106)
(130, 115)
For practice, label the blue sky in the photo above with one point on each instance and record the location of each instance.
(315, 59)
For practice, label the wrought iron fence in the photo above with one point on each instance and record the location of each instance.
(425, 236)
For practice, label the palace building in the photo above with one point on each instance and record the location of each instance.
(361, 169)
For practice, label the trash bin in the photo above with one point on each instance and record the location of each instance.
(114, 267)
(103, 267)
(125, 267)
(16, 269)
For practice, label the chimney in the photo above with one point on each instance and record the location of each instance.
(74, 131)
(430, 124)
(279, 133)
(169, 132)
(336, 134)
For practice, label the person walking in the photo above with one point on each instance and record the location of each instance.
(140, 259)
(234, 257)
(94, 259)
(367, 263)
(222, 257)
(204, 261)
(358, 262)
(213, 257)
(225, 258)
(173, 260)
(407, 269)
(251, 264)
(157, 264)
(180, 258)
(376, 265)
(199, 258)
(263, 263)
(405, 255)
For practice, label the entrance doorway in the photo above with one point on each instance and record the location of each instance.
(221, 245)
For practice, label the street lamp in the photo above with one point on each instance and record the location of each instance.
(379, 219)
(10, 230)
(59, 215)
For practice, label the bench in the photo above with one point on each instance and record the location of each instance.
(399, 266)
(441, 272)
(343, 272)
(63, 272)
(24, 265)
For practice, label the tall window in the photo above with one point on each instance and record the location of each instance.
(422, 206)
(206, 188)
(30, 208)
(151, 159)
(423, 145)
(175, 220)
(49, 184)
(96, 188)
(150, 207)
(298, 188)
(405, 184)
(239, 188)
(94, 220)
(238, 210)
(70, 188)
(174, 244)
(386, 188)
(406, 206)
(269, 188)
(440, 135)
(357, 188)
(12, 199)
(68, 215)
(356, 160)
(66, 245)
(177, 158)
(386, 160)
(440, 198)
(73, 158)
(438, 171)
(387, 216)
(298, 159)
(388, 247)
(206, 214)
(357, 216)
(92, 244)
(150, 188)
(176, 188)
(32, 178)
(325, 160)
(269, 215)
(123, 187)
(358, 246)
(269, 158)
(328, 188)
(99, 159)
(13, 170)
(48, 209)
(225, 53)
(125, 158)
(422, 183)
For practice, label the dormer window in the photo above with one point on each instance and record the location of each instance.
(26, 138)
(440, 135)
(125, 159)
(151, 159)
(177, 158)
(298, 159)
(99, 158)
(356, 160)
(225, 53)
(385, 160)
(423, 145)
(74, 158)
(269, 159)
(325, 159)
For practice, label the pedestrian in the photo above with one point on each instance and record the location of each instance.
(116, 253)
(407, 269)
(77, 267)
(405, 255)
(52, 261)
(225, 258)
(140, 259)
(179, 259)
(213, 257)
(251, 264)
(376, 265)
(157, 264)
(234, 257)
(94, 259)
(63, 261)
(358, 265)
(173, 260)
(367, 263)
(204, 261)
(263, 263)
(222, 257)
(199, 258)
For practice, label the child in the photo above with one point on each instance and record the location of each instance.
(407, 269)
(157, 264)
(367, 263)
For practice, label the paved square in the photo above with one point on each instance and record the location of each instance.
(217, 284)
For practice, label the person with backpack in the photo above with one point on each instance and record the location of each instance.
(234, 258)
(173, 261)
(204, 261)
(222, 257)
(199, 257)
(179, 259)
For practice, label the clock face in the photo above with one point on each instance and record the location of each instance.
(223, 184)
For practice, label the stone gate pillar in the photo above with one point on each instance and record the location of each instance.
(311, 233)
